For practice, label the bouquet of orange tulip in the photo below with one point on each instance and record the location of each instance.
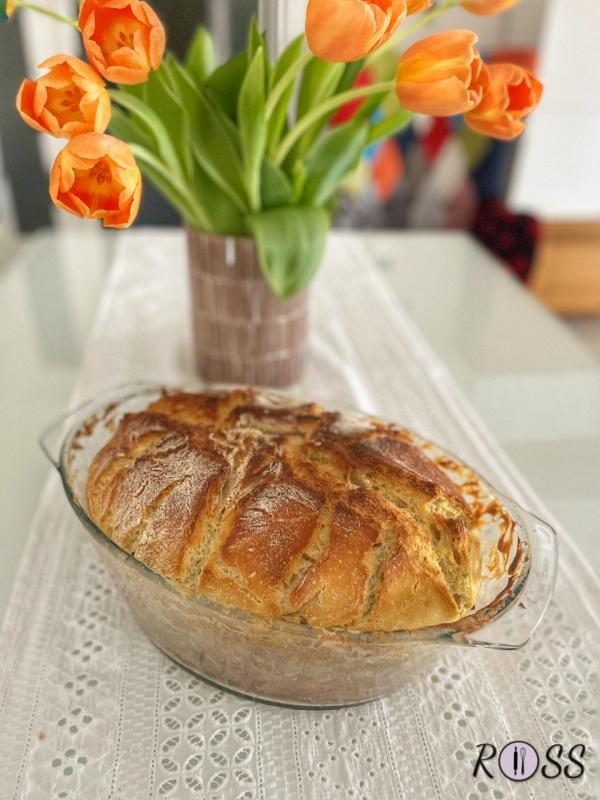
(235, 148)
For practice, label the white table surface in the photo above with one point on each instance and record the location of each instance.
(48, 296)
(532, 381)
(529, 378)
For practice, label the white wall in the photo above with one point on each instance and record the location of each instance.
(282, 20)
(557, 173)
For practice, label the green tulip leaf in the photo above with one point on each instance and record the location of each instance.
(253, 127)
(153, 123)
(131, 131)
(182, 83)
(162, 98)
(210, 135)
(319, 82)
(216, 149)
(137, 89)
(330, 159)
(200, 59)
(290, 243)
(350, 75)
(175, 192)
(223, 86)
(298, 177)
(278, 119)
(370, 106)
(276, 189)
(221, 213)
(257, 41)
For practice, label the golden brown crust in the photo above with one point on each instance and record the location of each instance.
(288, 511)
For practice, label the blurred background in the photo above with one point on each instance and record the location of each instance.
(533, 205)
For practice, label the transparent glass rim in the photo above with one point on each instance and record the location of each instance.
(453, 633)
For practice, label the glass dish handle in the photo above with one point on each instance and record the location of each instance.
(52, 438)
(512, 629)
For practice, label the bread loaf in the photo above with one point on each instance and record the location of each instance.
(288, 511)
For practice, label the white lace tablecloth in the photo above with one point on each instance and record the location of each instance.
(90, 709)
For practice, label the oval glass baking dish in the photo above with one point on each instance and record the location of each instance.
(293, 663)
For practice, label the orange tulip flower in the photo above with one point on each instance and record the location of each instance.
(7, 8)
(487, 7)
(442, 75)
(347, 30)
(96, 176)
(71, 99)
(513, 93)
(416, 6)
(124, 39)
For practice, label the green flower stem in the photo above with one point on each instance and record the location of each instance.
(282, 84)
(47, 13)
(405, 33)
(322, 110)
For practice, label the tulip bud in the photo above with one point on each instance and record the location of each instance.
(488, 7)
(441, 75)
(348, 30)
(512, 93)
(416, 6)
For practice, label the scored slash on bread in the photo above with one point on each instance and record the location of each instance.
(288, 511)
